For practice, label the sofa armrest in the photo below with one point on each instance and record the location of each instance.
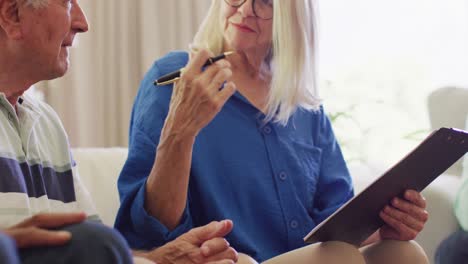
(440, 196)
(461, 206)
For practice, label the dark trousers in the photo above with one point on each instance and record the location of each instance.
(454, 249)
(90, 243)
(8, 252)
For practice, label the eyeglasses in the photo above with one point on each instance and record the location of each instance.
(262, 8)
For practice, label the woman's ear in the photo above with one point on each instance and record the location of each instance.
(10, 19)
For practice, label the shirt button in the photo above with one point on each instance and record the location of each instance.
(294, 224)
(283, 176)
(267, 130)
(10, 117)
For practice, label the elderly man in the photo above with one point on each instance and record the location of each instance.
(37, 173)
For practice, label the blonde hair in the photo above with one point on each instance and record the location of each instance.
(293, 62)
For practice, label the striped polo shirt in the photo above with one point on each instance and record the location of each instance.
(37, 172)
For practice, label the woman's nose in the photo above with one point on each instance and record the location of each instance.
(247, 8)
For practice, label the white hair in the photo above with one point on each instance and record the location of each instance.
(293, 56)
(34, 3)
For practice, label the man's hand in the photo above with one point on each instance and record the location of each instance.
(200, 245)
(33, 232)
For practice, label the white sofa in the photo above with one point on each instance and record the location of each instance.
(99, 169)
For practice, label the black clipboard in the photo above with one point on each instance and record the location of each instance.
(359, 218)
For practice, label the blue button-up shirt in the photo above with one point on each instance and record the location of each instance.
(275, 182)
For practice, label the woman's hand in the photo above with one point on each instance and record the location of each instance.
(404, 218)
(197, 96)
(204, 244)
(196, 99)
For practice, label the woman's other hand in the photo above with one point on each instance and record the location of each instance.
(204, 244)
(404, 218)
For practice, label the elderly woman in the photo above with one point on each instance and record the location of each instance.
(247, 139)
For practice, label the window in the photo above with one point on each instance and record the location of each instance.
(379, 60)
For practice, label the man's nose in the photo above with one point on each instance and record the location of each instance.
(79, 23)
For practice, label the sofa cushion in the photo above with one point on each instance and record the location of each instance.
(99, 169)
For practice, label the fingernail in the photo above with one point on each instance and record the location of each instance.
(223, 223)
(64, 234)
(218, 226)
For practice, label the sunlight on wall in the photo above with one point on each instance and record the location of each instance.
(379, 60)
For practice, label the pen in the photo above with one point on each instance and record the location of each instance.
(174, 76)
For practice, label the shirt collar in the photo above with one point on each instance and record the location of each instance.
(21, 99)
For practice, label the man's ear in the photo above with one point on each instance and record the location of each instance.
(10, 19)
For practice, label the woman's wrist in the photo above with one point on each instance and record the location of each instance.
(176, 132)
(179, 139)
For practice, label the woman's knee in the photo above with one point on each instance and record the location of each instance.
(328, 252)
(245, 259)
(414, 252)
(392, 251)
(341, 252)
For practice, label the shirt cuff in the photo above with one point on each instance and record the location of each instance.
(151, 228)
